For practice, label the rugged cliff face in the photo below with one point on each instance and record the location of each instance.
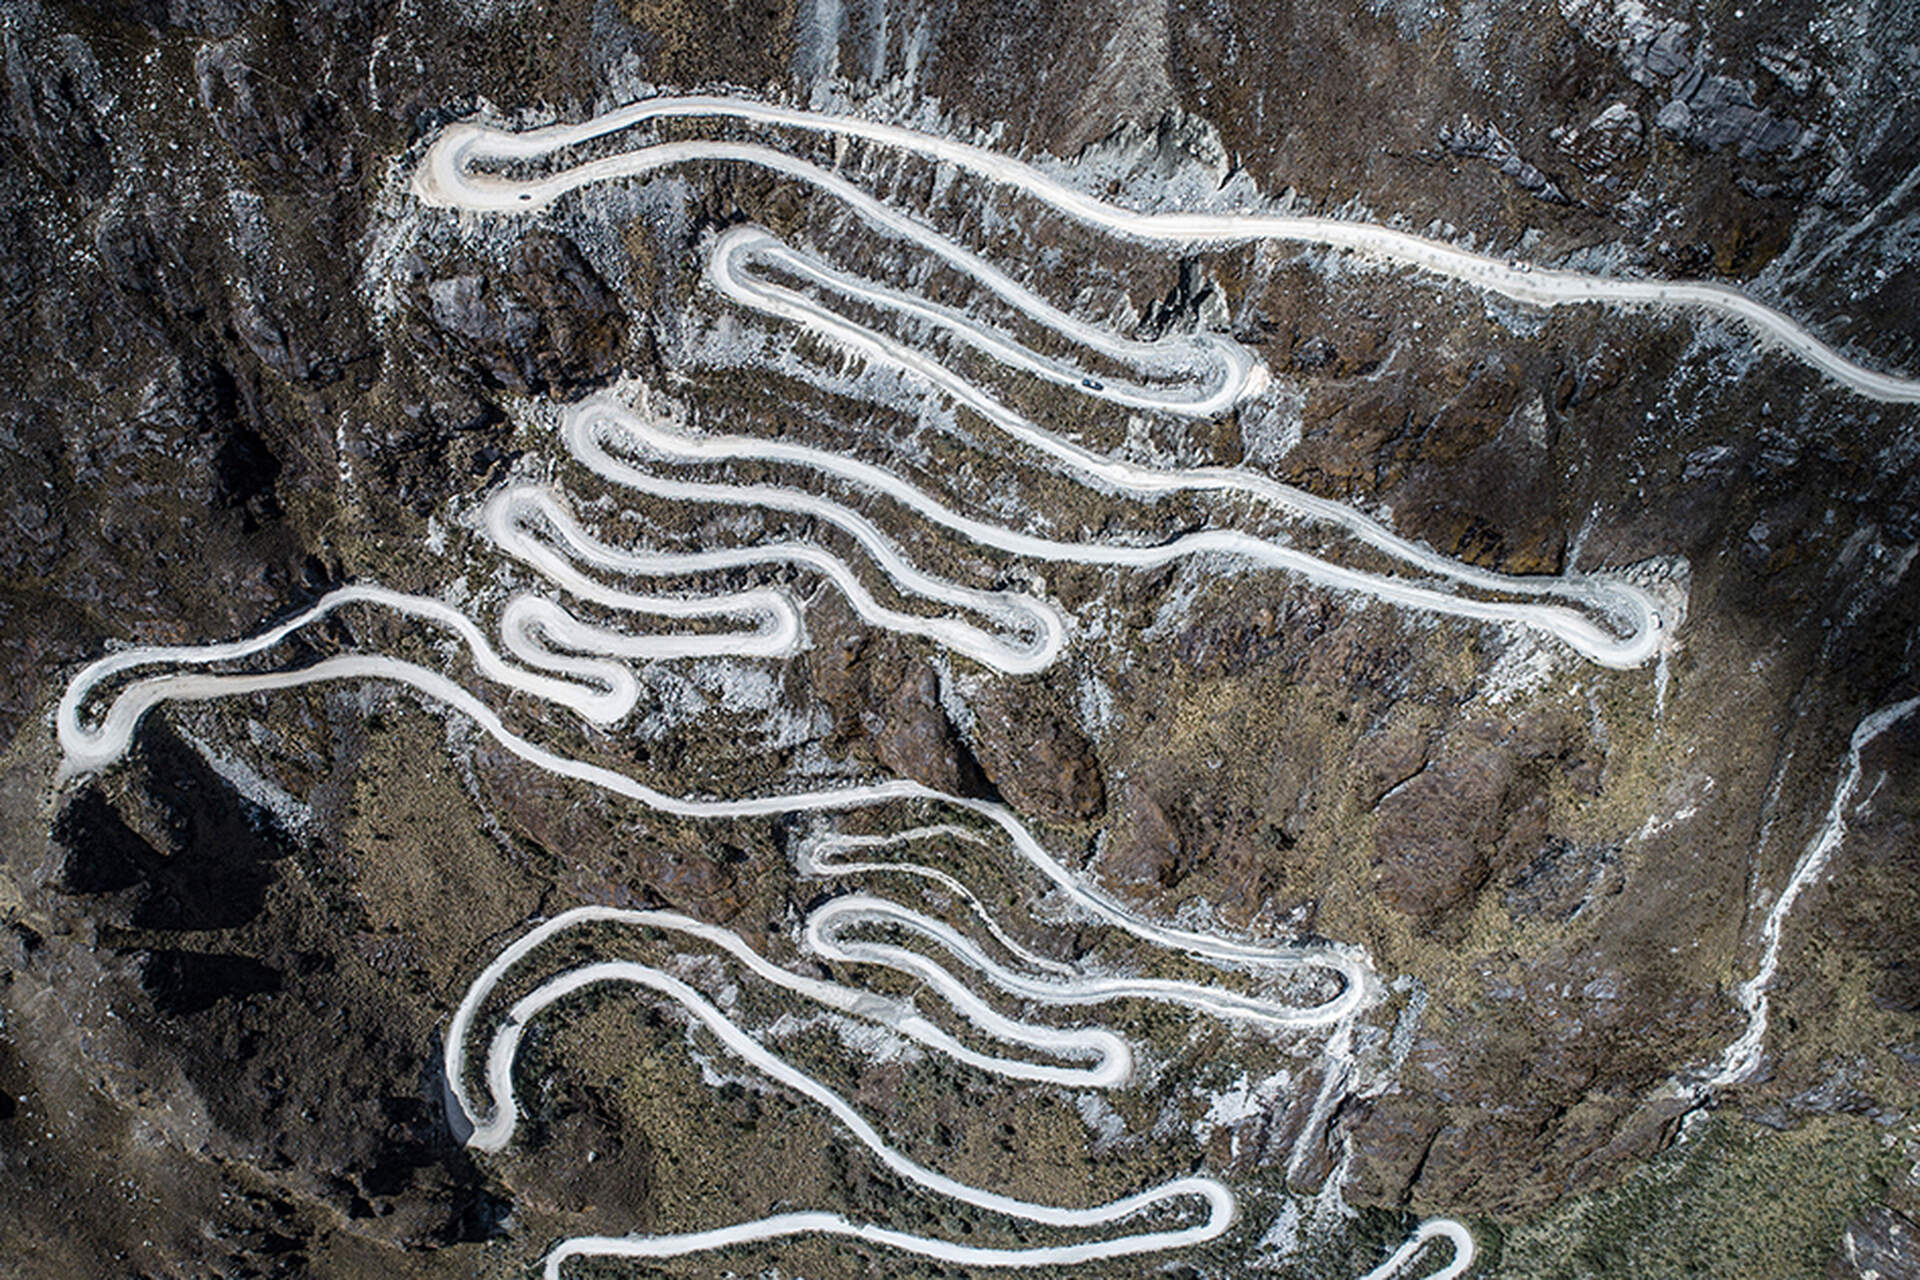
(249, 365)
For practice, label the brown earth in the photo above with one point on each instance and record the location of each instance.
(218, 1022)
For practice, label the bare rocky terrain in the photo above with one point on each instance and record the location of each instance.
(247, 366)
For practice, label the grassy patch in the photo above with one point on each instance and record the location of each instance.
(1734, 1201)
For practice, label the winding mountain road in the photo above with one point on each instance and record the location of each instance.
(586, 668)
(453, 175)
(548, 655)
(1615, 623)
(92, 743)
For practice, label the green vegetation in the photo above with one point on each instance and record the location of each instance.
(1734, 1201)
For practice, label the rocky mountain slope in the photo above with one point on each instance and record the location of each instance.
(249, 365)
